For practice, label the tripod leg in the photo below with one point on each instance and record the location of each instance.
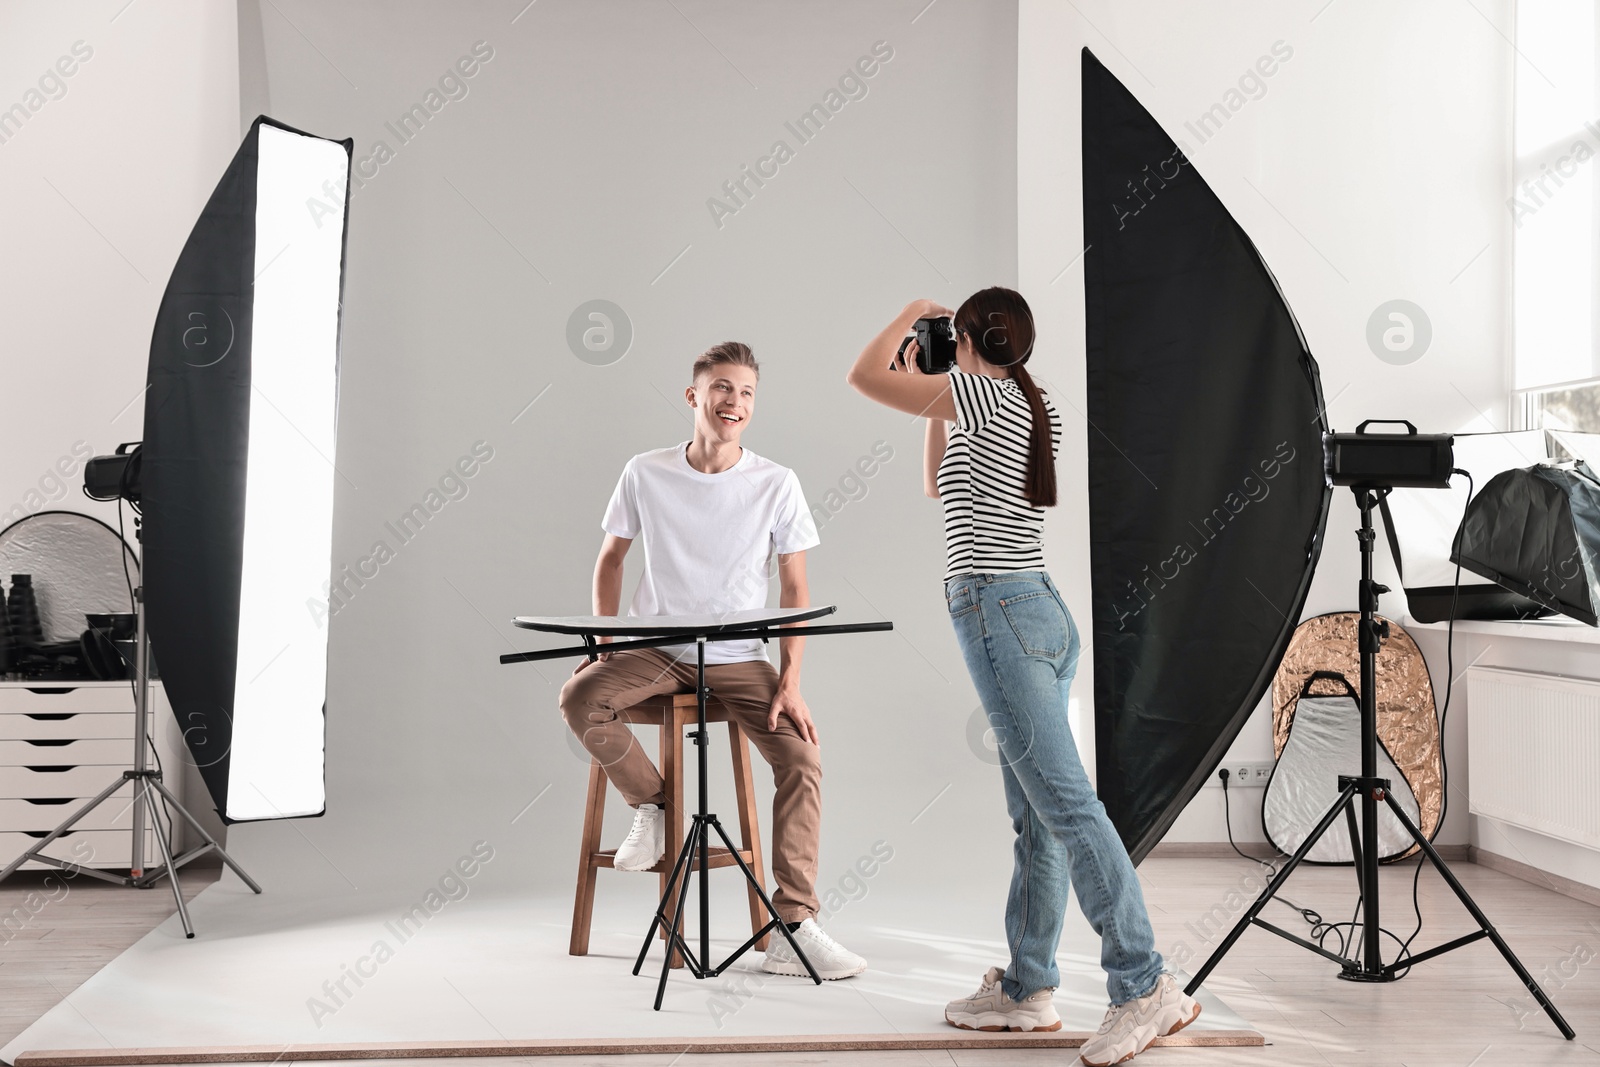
(1272, 889)
(776, 918)
(160, 834)
(1483, 920)
(63, 828)
(659, 921)
(206, 837)
(1355, 844)
(675, 935)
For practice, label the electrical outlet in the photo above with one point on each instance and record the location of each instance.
(1244, 774)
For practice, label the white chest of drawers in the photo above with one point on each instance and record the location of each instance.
(61, 743)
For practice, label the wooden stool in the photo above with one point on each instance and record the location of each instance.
(671, 714)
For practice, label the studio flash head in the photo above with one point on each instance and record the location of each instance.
(936, 346)
(113, 476)
(1409, 460)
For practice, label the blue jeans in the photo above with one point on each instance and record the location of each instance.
(1021, 648)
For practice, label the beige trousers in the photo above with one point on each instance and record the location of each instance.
(591, 699)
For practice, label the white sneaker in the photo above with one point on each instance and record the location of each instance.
(990, 1008)
(831, 959)
(1130, 1028)
(646, 841)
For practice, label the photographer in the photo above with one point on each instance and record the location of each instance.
(992, 436)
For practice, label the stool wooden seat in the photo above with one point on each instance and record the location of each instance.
(671, 713)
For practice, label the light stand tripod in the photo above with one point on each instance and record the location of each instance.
(1368, 966)
(696, 850)
(147, 784)
(697, 842)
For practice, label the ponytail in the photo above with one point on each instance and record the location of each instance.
(1041, 487)
(1000, 325)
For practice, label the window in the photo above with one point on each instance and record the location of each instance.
(1575, 407)
(1555, 363)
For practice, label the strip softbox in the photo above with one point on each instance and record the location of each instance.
(238, 472)
(1206, 490)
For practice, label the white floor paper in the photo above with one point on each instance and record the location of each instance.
(269, 970)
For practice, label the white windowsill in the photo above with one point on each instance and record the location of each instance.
(1555, 628)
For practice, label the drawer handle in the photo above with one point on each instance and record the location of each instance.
(48, 769)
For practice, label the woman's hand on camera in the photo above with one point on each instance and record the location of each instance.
(907, 360)
(918, 309)
(928, 309)
(875, 372)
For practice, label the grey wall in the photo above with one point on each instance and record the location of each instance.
(102, 179)
(578, 166)
(1319, 165)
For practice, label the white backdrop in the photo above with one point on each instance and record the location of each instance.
(573, 163)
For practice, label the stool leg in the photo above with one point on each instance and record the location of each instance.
(672, 723)
(594, 813)
(749, 826)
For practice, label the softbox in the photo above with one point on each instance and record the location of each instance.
(1421, 526)
(1536, 531)
(1207, 497)
(238, 472)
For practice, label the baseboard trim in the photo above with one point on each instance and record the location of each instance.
(954, 1039)
(1556, 883)
(1210, 850)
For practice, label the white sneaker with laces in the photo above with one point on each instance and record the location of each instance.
(646, 841)
(831, 959)
(1130, 1028)
(990, 1008)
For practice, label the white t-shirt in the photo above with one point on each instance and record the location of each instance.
(710, 540)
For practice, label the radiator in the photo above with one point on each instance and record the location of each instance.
(1533, 752)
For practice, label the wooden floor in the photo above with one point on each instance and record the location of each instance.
(1463, 1009)
(54, 934)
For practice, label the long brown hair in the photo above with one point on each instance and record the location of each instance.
(1000, 326)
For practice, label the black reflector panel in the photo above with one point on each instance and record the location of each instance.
(1206, 491)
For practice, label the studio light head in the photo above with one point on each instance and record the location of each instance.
(115, 476)
(1409, 460)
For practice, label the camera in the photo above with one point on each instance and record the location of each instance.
(936, 346)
